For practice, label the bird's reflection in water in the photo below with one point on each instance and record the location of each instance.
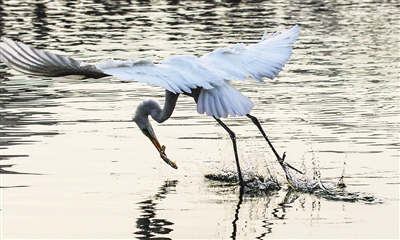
(269, 207)
(234, 223)
(279, 212)
(149, 225)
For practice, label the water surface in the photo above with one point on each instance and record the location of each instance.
(74, 165)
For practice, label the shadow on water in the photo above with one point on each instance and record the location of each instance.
(149, 225)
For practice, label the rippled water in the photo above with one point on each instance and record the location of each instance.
(74, 165)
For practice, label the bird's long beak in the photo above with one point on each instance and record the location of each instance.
(160, 148)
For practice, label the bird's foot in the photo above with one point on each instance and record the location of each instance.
(281, 161)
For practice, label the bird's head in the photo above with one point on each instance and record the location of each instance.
(144, 125)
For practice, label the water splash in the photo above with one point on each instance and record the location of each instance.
(257, 170)
(254, 182)
(306, 182)
(335, 191)
(260, 175)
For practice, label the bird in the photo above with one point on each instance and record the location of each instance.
(207, 79)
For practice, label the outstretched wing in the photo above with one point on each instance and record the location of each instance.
(32, 61)
(264, 59)
(177, 74)
(183, 73)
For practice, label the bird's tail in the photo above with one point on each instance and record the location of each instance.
(223, 100)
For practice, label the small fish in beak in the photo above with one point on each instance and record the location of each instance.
(149, 132)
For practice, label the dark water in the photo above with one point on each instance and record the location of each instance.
(74, 165)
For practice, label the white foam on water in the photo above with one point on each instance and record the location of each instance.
(260, 172)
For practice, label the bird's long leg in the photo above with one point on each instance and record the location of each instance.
(280, 159)
(233, 138)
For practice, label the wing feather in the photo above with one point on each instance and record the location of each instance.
(257, 61)
(223, 100)
(33, 61)
(177, 74)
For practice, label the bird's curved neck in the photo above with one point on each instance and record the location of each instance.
(152, 108)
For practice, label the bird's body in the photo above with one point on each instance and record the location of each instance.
(207, 78)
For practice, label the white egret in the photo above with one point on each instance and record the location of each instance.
(207, 78)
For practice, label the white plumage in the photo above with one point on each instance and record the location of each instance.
(212, 72)
(179, 74)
